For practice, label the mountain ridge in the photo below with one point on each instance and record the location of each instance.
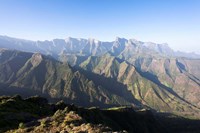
(51, 77)
(89, 46)
(98, 81)
(94, 73)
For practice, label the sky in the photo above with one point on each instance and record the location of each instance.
(176, 22)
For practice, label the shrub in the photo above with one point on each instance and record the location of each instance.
(21, 125)
(43, 123)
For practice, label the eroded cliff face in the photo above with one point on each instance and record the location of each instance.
(36, 59)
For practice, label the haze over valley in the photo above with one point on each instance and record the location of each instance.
(88, 72)
(135, 83)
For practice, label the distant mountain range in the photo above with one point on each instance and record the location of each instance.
(105, 74)
(91, 47)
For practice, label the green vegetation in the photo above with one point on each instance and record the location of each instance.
(105, 81)
(69, 118)
(145, 87)
(21, 125)
(14, 111)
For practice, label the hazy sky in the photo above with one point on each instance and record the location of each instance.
(176, 22)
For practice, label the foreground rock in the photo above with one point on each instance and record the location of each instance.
(36, 115)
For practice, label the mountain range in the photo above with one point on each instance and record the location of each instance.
(89, 72)
(121, 47)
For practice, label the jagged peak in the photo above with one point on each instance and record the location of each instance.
(133, 40)
(70, 39)
(45, 41)
(120, 39)
(21, 44)
(92, 40)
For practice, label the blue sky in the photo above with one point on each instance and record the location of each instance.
(176, 22)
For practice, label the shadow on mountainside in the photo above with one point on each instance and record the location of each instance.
(177, 124)
(27, 92)
(34, 110)
(111, 84)
(154, 79)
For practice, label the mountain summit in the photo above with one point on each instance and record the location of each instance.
(120, 46)
(89, 72)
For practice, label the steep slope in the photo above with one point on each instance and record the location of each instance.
(143, 86)
(29, 74)
(179, 74)
(119, 72)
